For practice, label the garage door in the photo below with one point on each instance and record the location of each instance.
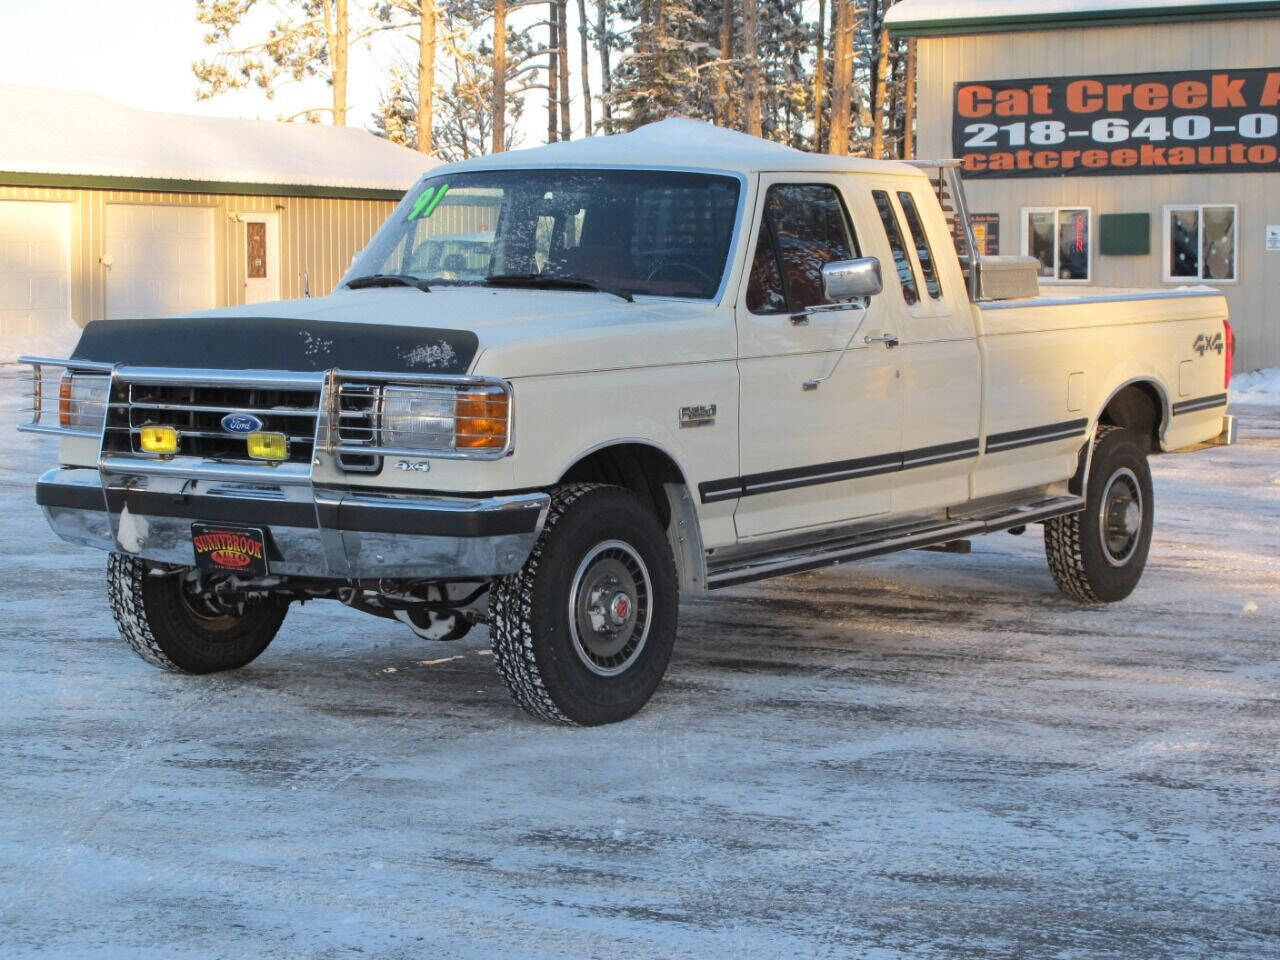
(35, 266)
(160, 260)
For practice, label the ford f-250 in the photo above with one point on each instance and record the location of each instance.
(563, 385)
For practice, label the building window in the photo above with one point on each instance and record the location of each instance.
(1200, 242)
(1061, 238)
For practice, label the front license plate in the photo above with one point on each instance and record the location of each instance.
(222, 549)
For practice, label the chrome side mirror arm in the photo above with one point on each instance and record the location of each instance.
(845, 281)
(818, 381)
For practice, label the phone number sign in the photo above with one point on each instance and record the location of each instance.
(1183, 122)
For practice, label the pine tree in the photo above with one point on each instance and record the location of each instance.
(498, 101)
(422, 17)
(311, 40)
(553, 70)
(785, 46)
(584, 55)
(661, 76)
(562, 78)
(605, 41)
(751, 65)
(463, 120)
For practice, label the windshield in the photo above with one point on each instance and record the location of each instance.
(641, 232)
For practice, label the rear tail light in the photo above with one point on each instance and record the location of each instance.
(1229, 354)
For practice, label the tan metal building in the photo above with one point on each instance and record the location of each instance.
(107, 211)
(1125, 143)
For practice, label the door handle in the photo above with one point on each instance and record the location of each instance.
(888, 339)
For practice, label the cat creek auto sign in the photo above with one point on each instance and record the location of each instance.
(1184, 122)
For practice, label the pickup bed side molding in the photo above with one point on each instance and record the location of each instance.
(1202, 403)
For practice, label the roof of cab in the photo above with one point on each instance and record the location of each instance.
(683, 144)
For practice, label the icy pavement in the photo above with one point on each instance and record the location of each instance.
(923, 756)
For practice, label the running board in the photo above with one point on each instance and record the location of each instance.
(874, 543)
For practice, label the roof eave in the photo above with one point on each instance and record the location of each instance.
(1122, 16)
(74, 181)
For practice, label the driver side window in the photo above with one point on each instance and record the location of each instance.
(804, 227)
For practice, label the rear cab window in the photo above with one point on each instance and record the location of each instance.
(803, 227)
(920, 240)
(901, 259)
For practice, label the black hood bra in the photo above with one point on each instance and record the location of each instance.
(274, 343)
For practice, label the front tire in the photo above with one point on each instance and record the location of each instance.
(169, 629)
(583, 633)
(1098, 554)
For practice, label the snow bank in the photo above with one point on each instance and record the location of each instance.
(56, 341)
(1261, 386)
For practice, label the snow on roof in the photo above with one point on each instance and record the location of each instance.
(682, 144)
(909, 17)
(62, 132)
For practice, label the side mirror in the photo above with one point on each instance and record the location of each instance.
(851, 279)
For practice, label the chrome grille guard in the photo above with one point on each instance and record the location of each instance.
(337, 431)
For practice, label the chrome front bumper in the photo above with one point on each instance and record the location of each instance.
(311, 531)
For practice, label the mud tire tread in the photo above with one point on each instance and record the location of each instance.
(515, 599)
(124, 591)
(1064, 540)
(149, 623)
(511, 629)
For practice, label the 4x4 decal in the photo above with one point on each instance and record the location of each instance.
(1204, 343)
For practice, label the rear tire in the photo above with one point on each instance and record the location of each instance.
(1098, 554)
(165, 628)
(583, 633)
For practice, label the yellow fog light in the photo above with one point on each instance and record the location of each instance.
(268, 446)
(159, 440)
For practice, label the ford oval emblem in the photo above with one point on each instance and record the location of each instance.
(241, 423)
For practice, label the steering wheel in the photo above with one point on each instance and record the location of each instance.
(688, 268)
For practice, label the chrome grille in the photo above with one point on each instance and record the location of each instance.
(196, 412)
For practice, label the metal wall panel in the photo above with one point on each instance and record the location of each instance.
(318, 236)
(1205, 45)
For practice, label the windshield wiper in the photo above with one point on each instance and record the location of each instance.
(543, 281)
(388, 280)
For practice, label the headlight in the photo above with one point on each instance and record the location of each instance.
(445, 418)
(82, 401)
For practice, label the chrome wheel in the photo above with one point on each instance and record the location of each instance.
(1120, 519)
(609, 608)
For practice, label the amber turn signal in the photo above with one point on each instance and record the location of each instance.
(480, 420)
(64, 401)
(163, 440)
(268, 446)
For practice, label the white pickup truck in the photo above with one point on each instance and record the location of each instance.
(562, 385)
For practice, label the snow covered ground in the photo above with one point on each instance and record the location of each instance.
(1258, 387)
(925, 756)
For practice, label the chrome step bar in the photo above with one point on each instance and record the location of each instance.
(775, 562)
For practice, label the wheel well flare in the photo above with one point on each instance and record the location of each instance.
(641, 468)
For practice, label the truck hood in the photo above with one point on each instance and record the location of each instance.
(505, 332)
